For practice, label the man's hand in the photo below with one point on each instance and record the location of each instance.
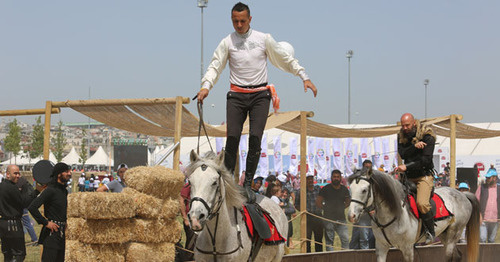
(40, 187)
(52, 226)
(202, 94)
(307, 84)
(420, 145)
(401, 168)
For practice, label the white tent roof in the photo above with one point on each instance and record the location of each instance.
(24, 159)
(72, 158)
(99, 158)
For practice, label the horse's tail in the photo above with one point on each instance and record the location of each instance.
(472, 230)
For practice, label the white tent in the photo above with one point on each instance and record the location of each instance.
(72, 158)
(99, 158)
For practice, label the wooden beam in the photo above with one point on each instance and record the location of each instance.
(303, 187)
(453, 149)
(112, 102)
(177, 132)
(24, 112)
(46, 135)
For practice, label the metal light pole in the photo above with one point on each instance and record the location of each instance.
(349, 55)
(426, 82)
(202, 4)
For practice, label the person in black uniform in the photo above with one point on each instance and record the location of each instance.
(54, 199)
(416, 147)
(12, 202)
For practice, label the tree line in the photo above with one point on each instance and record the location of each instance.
(15, 142)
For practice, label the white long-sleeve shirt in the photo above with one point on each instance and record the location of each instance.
(247, 55)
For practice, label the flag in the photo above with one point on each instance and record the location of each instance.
(337, 156)
(311, 150)
(364, 152)
(264, 160)
(395, 159)
(328, 156)
(385, 153)
(376, 152)
(278, 163)
(321, 158)
(294, 156)
(243, 153)
(348, 157)
(219, 144)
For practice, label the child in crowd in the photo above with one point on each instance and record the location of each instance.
(274, 192)
(289, 210)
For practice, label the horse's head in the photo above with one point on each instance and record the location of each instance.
(207, 188)
(361, 193)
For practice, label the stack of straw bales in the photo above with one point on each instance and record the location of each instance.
(138, 224)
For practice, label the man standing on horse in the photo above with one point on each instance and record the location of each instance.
(247, 51)
(416, 147)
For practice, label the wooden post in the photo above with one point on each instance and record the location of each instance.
(453, 149)
(46, 136)
(177, 131)
(303, 187)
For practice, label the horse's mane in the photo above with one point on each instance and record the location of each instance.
(384, 186)
(233, 196)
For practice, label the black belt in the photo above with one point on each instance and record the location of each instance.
(252, 86)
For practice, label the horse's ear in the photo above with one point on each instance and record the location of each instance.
(193, 156)
(220, 158)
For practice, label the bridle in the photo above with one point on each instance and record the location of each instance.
(367, 208)
(214, 212)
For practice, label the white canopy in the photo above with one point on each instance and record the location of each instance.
(99, 158)
(72, 158)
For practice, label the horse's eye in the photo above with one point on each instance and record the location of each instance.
(214, 183)
(364, 191)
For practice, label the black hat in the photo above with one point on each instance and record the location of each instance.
(59, 168)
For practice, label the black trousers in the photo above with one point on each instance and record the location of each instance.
(238, 107)
(52, 255)
(12, 236)
(314, 225)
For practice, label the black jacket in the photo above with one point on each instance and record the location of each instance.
(418, 161)
(14, 199)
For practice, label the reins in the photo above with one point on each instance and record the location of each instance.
(367, 209)
(201, 124)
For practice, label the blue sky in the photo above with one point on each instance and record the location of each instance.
(56, 50)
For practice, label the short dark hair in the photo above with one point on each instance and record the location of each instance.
(336, 171)
(240, 7)
(367, 161)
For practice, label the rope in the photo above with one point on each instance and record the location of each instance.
(328, 220)
(187, 250)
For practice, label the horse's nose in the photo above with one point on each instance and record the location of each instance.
(196, 218)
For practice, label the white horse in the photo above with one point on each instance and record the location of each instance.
(215, 214)
(394, 225)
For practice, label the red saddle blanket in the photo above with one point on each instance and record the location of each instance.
(275, 238)
(441, 211)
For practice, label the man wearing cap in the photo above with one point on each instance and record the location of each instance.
(247, 50)
(416, 147)
(117, 185)
(257, 184)
(334, 198)
(314, 224)
(488, 194)
(12, 202)
(55, 202)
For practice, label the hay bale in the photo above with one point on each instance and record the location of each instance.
(80, 252)
(147, 206)
(157, 181)
(151, 252)
(100, 205)
(156, 230)
(99, 231)
(74, 200)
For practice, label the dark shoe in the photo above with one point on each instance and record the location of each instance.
(247, 185)
(428, 223)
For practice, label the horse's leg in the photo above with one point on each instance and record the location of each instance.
(449, 238)
(407, 253)
(381, 251)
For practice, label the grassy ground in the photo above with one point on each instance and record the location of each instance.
(33, 253)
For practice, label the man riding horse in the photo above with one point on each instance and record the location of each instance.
(416, 147)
